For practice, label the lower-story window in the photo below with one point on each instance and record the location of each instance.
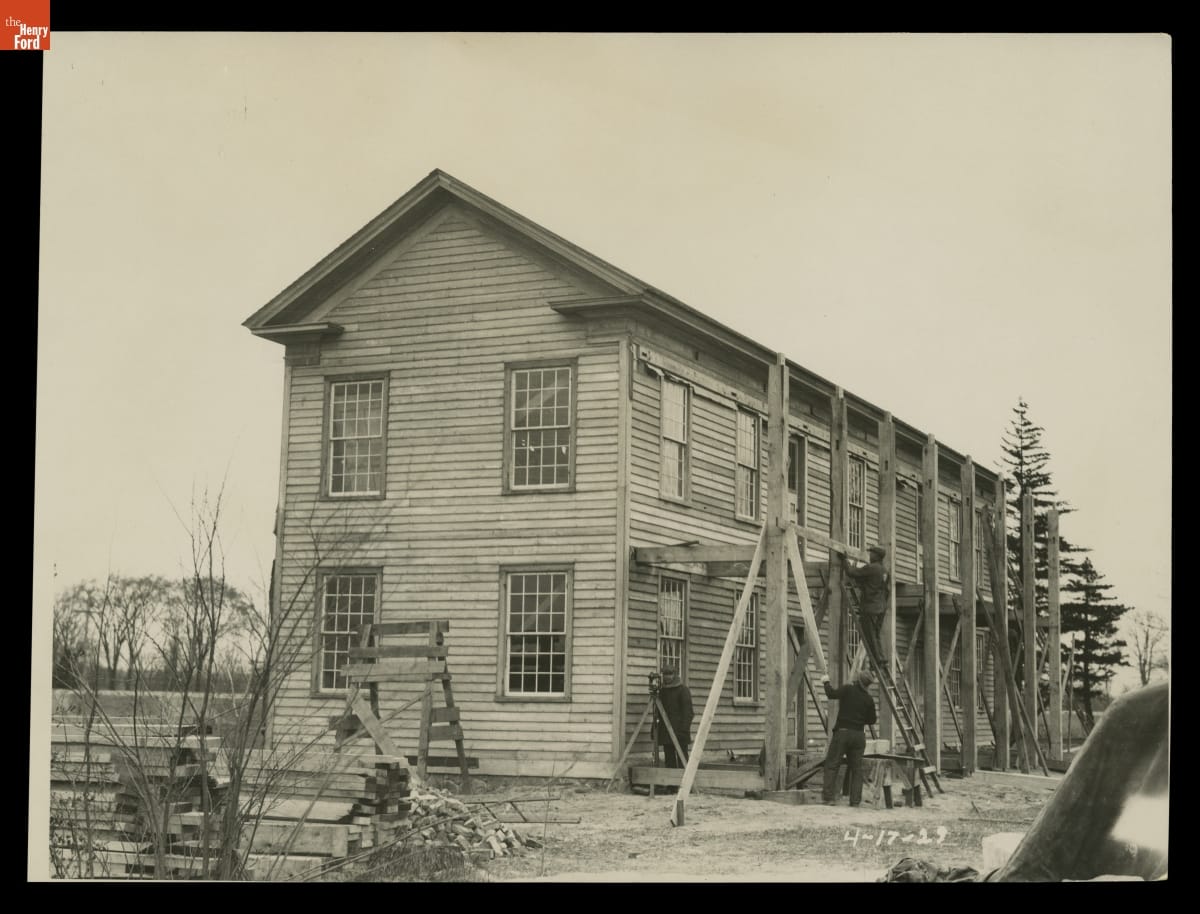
(347, 601)
(745, 658)
(672, 613)
(537, 617)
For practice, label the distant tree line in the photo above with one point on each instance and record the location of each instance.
(150, 633)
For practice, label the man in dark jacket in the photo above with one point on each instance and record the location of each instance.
(872, 603)
(856, 710)
(677, 705)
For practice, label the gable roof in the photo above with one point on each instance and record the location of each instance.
(283, 318)
(291, 305)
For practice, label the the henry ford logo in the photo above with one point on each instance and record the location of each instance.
(26, 25)
(27, 37)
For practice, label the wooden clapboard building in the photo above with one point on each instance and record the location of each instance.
(486, 424)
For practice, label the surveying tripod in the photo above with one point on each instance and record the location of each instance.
(654, 707)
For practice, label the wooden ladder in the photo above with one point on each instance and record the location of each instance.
(428, 663)
(899, 699)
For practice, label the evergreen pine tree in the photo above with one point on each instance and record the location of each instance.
(1027, 470)
(1098, 653)
(1026, 462)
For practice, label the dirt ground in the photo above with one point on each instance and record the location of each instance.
(624, 837)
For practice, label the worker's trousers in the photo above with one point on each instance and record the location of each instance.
(848, 744)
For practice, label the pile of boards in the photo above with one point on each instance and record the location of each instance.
(106, 787)
(106, 793)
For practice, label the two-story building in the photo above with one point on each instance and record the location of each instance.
(482, 422)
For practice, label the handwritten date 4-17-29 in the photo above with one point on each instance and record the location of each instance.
(886, 836)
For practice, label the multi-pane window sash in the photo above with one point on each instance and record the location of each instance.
(673, 470)
(920, 552)
(916, 668)
(672, 603)
(356, 438)
(954, 535)
(981, 661)
(798, 475)
(954, 680)
(745, 658)
(347, 601)
(856, 491)
(541, 428)
(853, 639)
(747, 465)
(978, 548)
(536, 631)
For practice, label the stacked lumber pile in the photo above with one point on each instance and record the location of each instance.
(103, 795)
(384, 801)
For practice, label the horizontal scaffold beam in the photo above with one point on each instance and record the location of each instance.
(731, 554)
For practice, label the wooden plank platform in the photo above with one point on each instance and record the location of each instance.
(746, 779)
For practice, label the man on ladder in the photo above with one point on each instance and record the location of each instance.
(872, 605)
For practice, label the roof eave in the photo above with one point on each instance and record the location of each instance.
(299, 333)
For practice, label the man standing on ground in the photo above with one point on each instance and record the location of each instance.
(677, 705)
(856, 710)
(872, 603)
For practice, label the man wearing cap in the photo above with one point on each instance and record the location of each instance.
(677, 705)
(856, 709)
(872, 604)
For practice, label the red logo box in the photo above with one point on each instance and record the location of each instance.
(25, 25)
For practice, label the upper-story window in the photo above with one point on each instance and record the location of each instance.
(798, 477)
(540, 448)
(746, 476)
(920, 553)
(356, 437)
(856, 498)
(673, 454)
(978, 547)
(954, 536)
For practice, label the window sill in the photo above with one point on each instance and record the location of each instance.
(539, 699)
(325, 496)
(558, 490)
(675, 499)
(743, 519)
(747, 703)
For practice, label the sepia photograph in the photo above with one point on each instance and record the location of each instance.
(477, 457)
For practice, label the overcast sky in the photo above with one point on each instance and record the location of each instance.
(938, 224)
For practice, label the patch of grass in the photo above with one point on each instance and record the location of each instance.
(401, 863)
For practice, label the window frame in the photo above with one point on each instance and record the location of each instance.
(755, 607)
(738, 466)
(505, 571)
(855, 459)
(686, 481)
(954, 677)
(323, 577)
(919, 549)
(507, 464)
(326, 486)
(981, 663)
(801, 448)
(682, 639)
(954, 519)
(978, 543)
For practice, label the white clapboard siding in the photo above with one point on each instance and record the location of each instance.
(441, 318)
